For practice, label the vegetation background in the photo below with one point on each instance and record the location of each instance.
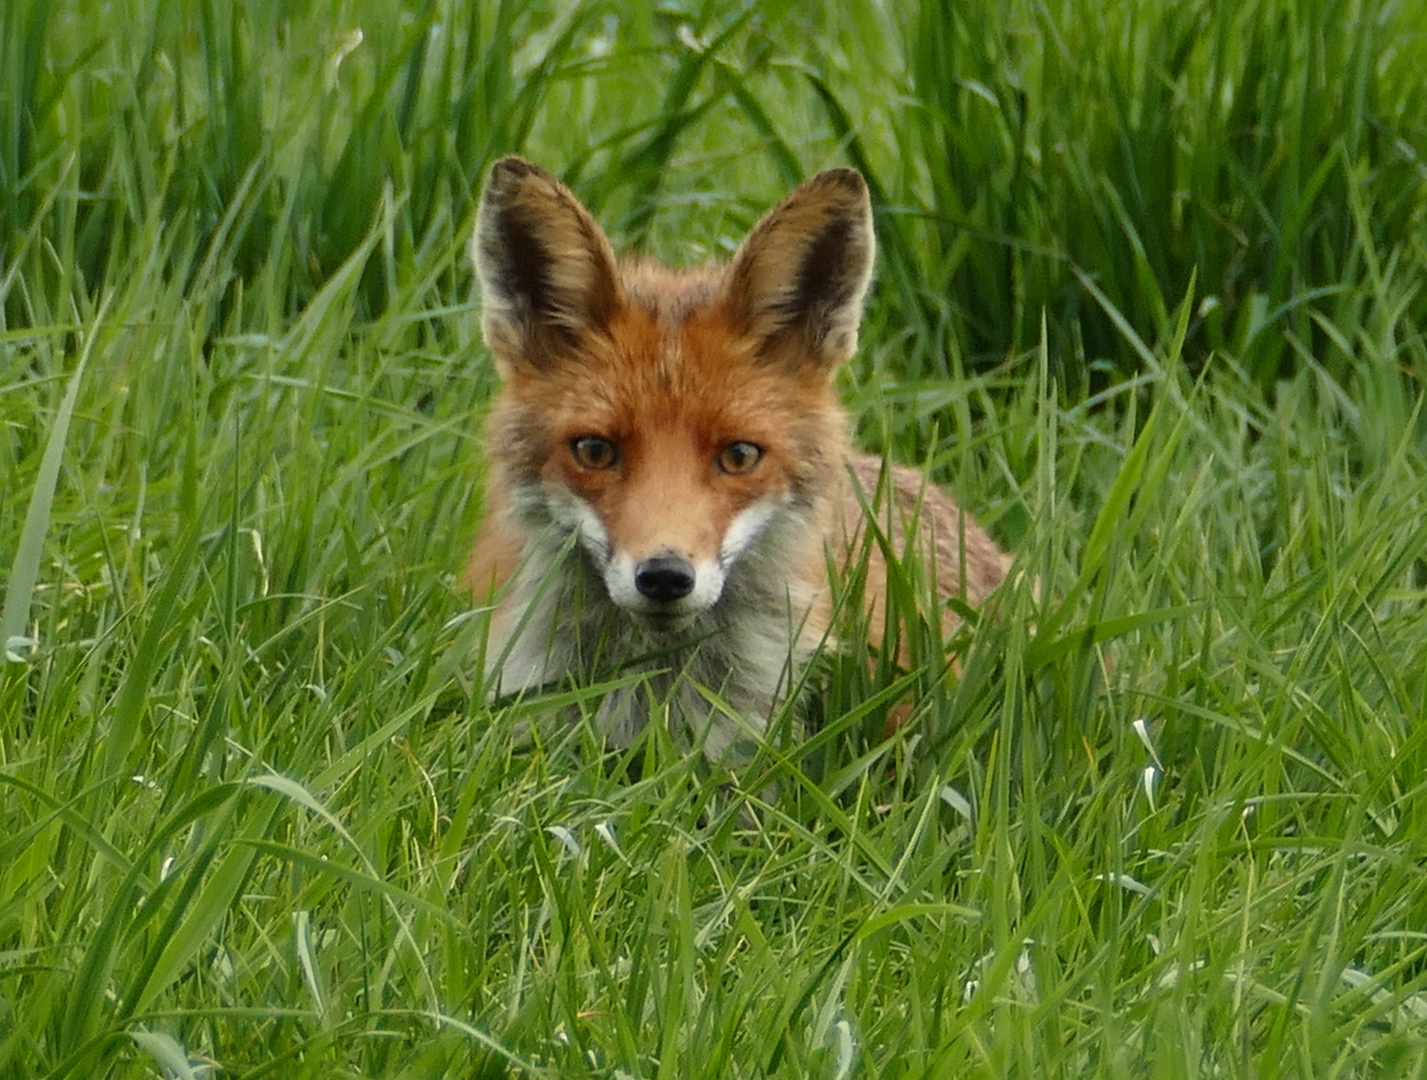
(1150, 301)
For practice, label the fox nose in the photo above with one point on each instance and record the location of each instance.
(664, 579)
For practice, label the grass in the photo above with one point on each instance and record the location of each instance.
(1149, 301)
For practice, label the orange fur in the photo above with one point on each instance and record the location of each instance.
(669, 460)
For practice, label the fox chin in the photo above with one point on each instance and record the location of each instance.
(670, 479)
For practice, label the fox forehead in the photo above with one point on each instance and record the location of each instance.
(671, 295)
(645, 374)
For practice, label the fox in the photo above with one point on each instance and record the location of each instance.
(670, 483)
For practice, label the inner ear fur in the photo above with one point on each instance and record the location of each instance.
(801, 275)
(547, 271)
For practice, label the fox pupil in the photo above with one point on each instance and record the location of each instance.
(593, 452)
(739, 457)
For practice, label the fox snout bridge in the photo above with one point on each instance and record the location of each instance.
(664, 579)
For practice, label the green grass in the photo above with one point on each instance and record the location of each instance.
(1150, 301)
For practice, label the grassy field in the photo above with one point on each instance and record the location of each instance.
(1150, 301)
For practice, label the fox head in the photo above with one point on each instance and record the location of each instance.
(682, 423)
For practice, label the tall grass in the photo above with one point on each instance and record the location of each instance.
(1149, 301)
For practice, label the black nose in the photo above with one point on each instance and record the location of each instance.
(664, 579)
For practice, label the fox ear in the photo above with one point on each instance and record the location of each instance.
(547, 272)
(804, 269)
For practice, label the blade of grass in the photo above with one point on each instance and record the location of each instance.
(25, 567)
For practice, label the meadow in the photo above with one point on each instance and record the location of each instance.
(1150, 301)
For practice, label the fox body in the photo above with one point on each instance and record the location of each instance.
(670, 474)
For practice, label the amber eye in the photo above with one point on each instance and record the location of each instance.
(739, 458)
(593, 452)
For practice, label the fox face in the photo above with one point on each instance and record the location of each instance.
(682, 425)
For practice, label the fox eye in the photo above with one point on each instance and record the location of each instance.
(594, 452)
(738, 458)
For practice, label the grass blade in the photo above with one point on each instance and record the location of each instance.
(25, 567)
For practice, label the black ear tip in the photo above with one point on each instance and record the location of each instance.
(847, 183)
(510, 171)
(843, 177)
(512, 166)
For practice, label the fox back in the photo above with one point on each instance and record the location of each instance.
(669, 461)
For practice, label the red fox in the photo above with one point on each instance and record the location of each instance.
(670, 471)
